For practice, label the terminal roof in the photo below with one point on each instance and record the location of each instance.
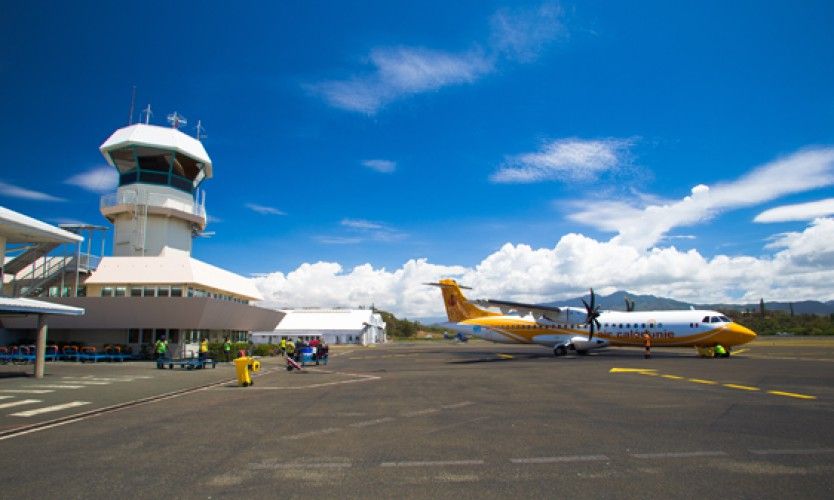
(19, 228)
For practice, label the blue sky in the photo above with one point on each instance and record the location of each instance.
(381, 133)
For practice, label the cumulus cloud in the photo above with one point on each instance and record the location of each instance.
(13, 191)
(643, 226)
(98, 180)
(564, 160)
(398, 72)
(801, 268)
(264, 210)
(797, 212)
(381, 166)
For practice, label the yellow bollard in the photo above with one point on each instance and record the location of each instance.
(242, 369)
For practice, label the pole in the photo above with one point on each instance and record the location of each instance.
(77, 267)
(40, 355)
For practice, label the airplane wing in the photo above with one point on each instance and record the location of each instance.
(547, 312)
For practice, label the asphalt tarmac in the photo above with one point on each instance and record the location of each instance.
(434, 420)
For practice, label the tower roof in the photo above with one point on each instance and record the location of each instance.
(159, 137)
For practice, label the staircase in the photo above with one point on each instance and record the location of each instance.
(28, 257)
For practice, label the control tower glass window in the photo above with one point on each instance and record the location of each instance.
(156, 166)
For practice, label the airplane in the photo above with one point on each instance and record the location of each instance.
(564, 329)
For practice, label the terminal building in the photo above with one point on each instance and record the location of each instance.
(333, 326)
(151, 285)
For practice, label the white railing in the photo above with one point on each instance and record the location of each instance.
(162, 200)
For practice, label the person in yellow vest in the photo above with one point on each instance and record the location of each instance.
(161, 350)
(282, 346)
(290, 349)
(203, 349)
(227, 349)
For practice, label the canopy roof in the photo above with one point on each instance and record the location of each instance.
(18, 228)
(158, 137)
(10, 305)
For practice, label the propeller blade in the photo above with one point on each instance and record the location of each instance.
(593, 298)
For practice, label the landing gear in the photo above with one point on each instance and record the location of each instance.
(560, 350)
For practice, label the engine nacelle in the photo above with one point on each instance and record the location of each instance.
(583, 344)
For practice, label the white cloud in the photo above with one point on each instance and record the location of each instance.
(398, 72)
(643, 226)
(264, 210)
(564, 160)
(382, 166)
(361, 224)
(797, 212)
(522, 34)
(362, 230)
(803, 268)
(402, 71)
(98, 180)
(13, 191)
(338, 240)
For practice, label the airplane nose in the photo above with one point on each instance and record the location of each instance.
(742, 331)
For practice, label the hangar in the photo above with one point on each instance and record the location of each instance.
(334, 326)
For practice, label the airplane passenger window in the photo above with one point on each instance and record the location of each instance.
(621, 325)
(691, 325)
(705, 320)
(651, 325)
(643, 325)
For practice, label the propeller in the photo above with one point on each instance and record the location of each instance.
(441, 285)
(592, 315)
(629, 304)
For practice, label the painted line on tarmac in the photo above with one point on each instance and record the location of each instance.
(673, 377)
(457, 405)
(57, 386)
(50, 409)
(366, 423)
(20, 403)
(89, 382)
(812, 451)
(301, 465)
(432, 463)
(791, 395)
(417, 413)
(702, 381)
(78, 417)
(504, 356)
(741, 387)
(27, 391)
(680, 454)
(6, 397)
(365, 378)
(552, 460)
(317, 432)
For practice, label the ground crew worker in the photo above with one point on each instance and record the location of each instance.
(161, 348)
(720, 352)
(282, 347)
(647, 343)
(227, 349)
(204, 349)
(290, 349)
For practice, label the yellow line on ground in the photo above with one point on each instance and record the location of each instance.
(702, 381)
(742, 387)
(651, 374)
(505, 356)
(631, 370)
(791, 395)
(740, 351)
(673, 377)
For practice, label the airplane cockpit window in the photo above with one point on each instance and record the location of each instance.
(715, 319)
(725, 319)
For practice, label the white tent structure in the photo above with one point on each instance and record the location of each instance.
(333, 326)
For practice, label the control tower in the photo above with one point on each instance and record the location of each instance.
(158, 204)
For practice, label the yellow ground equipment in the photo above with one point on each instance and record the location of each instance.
(244, 367)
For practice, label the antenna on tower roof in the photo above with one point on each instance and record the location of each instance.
(176, 120)
(132, 105)
(200, 129)
(147, 112)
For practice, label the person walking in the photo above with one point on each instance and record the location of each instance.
(282, 346)
(290, 350)
(227, 349)
(161, 348)
(647, 343)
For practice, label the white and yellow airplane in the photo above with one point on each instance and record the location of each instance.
(581, 330)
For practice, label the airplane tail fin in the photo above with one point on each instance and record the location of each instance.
(457, 307)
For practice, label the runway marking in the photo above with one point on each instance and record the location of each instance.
(366, 423)
(740, 351)
(301, 465)
(317, 432)
(27, 391)
(551, 460)
(793, 452)
(6, 397)
(741, 387)
(360, 378)
(680, 454)
(57, 386)
(50, 409)
(631, 370)
(457, 405)
(504, 356)
(672, 377)
(20, 403)
(417, 413)
(791, 395)
(432, 463)
(702, 381)
(89, 382)
(649, 373)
